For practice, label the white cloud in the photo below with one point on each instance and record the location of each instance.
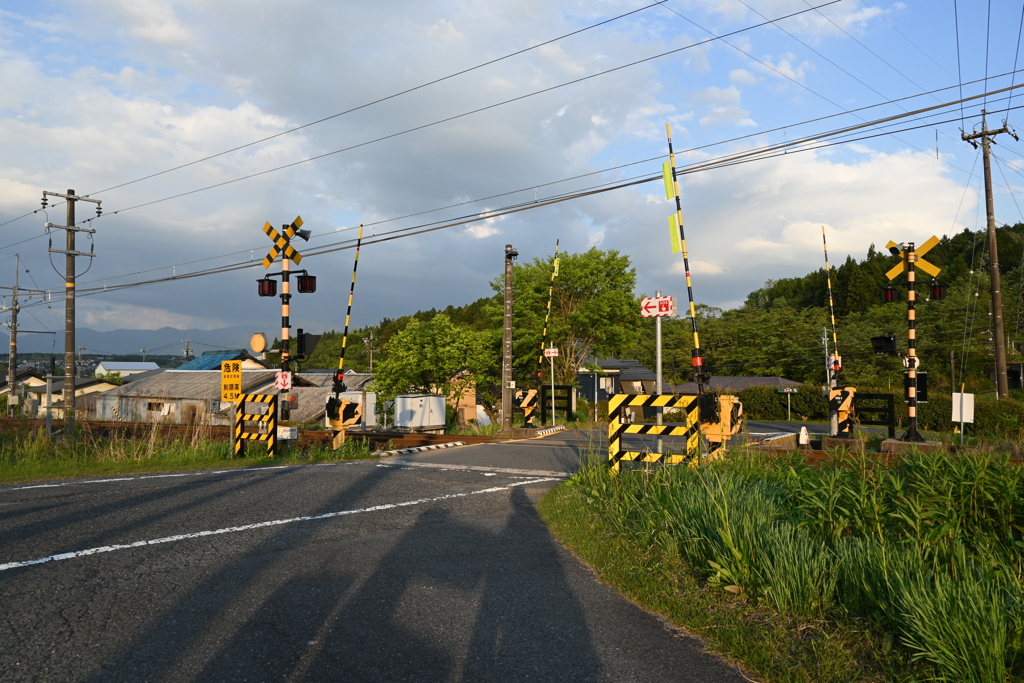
(743, 77)
(104, 317)
(736, 115)
(485, 228)
(715, 96)
(444, 31)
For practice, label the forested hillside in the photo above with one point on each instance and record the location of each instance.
(780, 328)
(779, 331)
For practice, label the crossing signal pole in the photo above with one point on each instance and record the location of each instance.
(986, 135)
(69, 296)
(506, 345)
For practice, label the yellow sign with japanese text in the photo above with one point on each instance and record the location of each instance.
(230, 380)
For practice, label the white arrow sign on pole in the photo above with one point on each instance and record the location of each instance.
(658, 307)
(550, 353)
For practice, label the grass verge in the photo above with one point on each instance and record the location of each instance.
(29, 455)
(854, 570)
(770, 646)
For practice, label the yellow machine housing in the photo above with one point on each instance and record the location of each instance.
(349, 413)
(729, 423)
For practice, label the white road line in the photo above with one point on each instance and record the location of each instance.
(148, 476)
(258, 525)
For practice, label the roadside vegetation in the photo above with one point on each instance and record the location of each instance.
(851, 571)
(29, 455)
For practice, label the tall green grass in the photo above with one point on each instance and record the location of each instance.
(29, 454)
(927, 552)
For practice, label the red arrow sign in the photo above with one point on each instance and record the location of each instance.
(649, 306)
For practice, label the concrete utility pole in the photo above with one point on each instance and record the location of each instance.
(187, 351)
(368, 341)
(986, 135)
(12, 360)
(69, 297)
(506, 362)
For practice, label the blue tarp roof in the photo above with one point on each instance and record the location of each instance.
(211, 360)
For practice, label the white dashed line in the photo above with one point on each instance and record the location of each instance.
(258, 525)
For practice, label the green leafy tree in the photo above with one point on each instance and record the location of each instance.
(433, 357)
(593, 310)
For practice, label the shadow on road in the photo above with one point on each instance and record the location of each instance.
(449, 598)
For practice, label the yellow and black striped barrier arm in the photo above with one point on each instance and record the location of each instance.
(239, 435)
(671, 178)
(617, 404)
(547, 316)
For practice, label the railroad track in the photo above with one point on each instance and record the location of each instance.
(378, 440)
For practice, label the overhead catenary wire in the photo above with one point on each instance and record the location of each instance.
(383, 99)
(727, 160)
(480, 216)
(466, 113)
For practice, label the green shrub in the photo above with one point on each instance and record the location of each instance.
(1004, 417)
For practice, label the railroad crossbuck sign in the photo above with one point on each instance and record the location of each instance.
(281, 242)
(920, 263)
(617, 405)
(230, 380)
(551, 353)
(658, 307)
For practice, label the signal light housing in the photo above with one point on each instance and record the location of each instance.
(267, 286)
(938, 291)
(306, 284)
(889, 294)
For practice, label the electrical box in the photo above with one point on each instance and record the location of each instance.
(419, 412)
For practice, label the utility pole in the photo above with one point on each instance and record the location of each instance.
(506, 362)
(187, 351)
(144, 351)
(69, 297)
(369, 347)
(12, 360)
(986, 135)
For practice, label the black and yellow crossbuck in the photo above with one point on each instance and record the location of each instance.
(267, 421)
(617, 404)
(281, 243)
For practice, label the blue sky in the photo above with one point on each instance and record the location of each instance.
(99, 93)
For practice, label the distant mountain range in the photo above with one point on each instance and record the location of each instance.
(166, 340)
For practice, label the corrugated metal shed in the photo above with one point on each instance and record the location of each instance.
(205, 385)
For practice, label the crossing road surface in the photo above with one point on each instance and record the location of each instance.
(433, 569)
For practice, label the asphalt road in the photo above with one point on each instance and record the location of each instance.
(437, 570)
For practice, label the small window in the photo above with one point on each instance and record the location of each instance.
(155, 406)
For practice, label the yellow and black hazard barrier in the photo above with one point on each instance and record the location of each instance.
(617, 404)
(239, 435)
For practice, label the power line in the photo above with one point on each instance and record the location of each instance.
(727, 160)
(383, 99)
(1016, 54)
(960, 77)
(468, 113)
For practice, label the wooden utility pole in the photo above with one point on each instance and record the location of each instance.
(986, 135)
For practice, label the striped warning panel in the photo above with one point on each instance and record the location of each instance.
(617, 405)
(268, 420)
